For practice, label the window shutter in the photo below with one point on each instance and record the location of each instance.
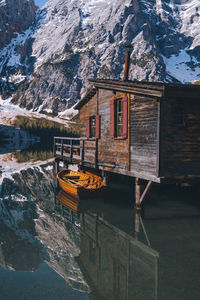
(97, 126)
(112, 119)
(125, 116)
(88, 128)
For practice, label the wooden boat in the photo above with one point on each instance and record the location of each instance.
(79, 184)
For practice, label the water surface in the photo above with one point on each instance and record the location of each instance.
(97, 248)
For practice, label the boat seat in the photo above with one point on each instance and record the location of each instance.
(71, 176)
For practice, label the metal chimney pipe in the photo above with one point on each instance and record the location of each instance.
(127, 62)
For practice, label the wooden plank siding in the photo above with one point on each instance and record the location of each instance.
(144, 137)
(110, 151)
(157, 147)
(180, 143)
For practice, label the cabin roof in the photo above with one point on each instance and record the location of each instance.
(86, 98)
(153, 89)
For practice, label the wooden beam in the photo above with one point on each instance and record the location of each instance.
(145, 191)
(141, 192)
(128, 89)
(138, 192)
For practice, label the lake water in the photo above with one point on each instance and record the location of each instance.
(100, 248)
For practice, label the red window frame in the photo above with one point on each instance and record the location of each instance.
(93, 127)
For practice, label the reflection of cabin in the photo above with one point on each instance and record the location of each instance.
(141, 129)
(116, 265)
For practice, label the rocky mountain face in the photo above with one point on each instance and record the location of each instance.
(48, 65)
(38, 233)
(15, 17)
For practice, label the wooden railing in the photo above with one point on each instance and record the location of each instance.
(70, 149)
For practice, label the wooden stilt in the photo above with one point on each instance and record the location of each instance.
(66, 164)
(137, 223)
(104, 177)
(141, 191)
(138, 192)
(57, 165)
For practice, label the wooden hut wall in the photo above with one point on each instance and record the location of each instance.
(111, 150)
(89, 109)
(144, 134)
(180, 137)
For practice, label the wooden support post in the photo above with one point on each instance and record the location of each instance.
(82, 151)
(141, 192)
(104, 177)
(65, 164)
(54, 148)
(96, 153)
(138, 192)
(57, 165)
(137, 223)
(57, 170)
(71, 150)
(62, 148)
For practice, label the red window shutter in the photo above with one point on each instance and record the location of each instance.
(97, 126)
(112, 119)
(125, 116)
(88, 128)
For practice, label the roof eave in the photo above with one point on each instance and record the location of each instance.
(86, 98)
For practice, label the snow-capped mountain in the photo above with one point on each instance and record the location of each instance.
(48, 64)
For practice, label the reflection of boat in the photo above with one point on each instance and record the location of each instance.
(80, 184)
(68, 201)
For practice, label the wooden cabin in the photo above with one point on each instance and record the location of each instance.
(150, 131)
(145, 130)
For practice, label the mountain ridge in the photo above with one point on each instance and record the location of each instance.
(68, 43)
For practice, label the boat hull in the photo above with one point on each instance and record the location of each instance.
(80, 185)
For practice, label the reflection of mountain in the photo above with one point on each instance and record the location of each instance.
(17, 250)
(36, 183)
(37, 235)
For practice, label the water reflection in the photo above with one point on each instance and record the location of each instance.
(116, 265)
(101, 248)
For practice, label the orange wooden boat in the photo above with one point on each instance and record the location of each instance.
(79, 184)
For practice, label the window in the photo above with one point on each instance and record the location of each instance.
(93, 127)
(119, 118)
